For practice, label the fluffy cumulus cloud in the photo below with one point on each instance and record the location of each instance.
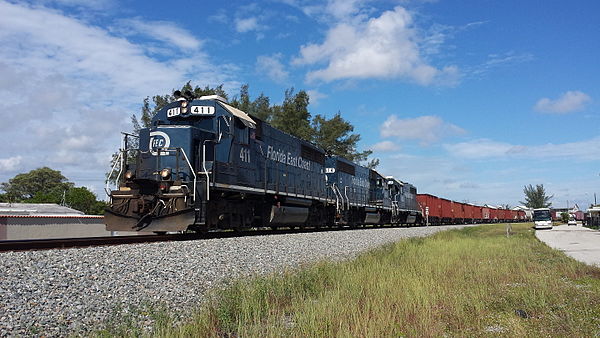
(585, 150)
(80, 82)
(426, 129)
(271, 66)
(11, 163)
(385, 146)
(379, 47)
(568, 102)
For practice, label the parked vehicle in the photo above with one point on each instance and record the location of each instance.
(542, 218)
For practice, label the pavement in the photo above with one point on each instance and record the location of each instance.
(581, 243)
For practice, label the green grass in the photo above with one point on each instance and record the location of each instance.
(470, 282)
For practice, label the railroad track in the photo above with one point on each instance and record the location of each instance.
(58, 243)
(64, 243)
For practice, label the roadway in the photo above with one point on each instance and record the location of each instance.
(581, 243)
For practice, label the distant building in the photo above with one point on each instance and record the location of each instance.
(594, 216)
(578, 214)
(39, 221)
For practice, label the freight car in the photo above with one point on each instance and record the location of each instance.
(439, 210)
(203, 164)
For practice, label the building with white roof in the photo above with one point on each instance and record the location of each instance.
(46, 220)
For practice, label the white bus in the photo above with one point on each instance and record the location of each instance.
(542, 218)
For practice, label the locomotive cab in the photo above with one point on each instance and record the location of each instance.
(164, 185)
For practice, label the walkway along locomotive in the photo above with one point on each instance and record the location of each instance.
(203, 164)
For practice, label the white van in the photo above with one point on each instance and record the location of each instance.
(542, 218)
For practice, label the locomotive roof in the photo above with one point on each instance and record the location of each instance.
(246, 119)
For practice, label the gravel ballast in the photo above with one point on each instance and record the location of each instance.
(61, 292)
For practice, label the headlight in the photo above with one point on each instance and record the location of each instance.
(165, 173)
(129, 175)
(184, 104)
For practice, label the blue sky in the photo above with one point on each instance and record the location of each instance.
(470, 100)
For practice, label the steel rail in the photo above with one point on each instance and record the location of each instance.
(65, 243)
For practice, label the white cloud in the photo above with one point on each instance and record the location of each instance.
(381, 47)
(479, 149)
(315, 96)
(272, 67)
(494, 61)
(96, 5)
(568, 102)
(163, 31)
(385, 146)
(510, 57)
(586, 150)
(81, 83)
(427, 129)
(343, 9)
(10, 164)
(246, 25)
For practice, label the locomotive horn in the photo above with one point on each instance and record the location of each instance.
(189, 95)
(177, 94)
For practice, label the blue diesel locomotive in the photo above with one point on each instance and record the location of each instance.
(203, 164)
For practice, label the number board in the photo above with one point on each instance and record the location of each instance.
(202, 110)
(171, 112)
(194, 110)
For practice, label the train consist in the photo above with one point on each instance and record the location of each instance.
(203, 165)
(439, 210)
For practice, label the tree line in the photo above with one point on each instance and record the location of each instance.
(45, 185)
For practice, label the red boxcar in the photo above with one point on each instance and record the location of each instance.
(458, 212)
(504, 215)
(434, 204)
(486, 214)
(477, 214)
(500, 213)
(447, 212)
(493, 215)
(469, 213)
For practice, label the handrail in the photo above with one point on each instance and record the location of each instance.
(205, 171)
(107, 187)
(193, 173)
(337, 190)
(346, 194)
(337, 200)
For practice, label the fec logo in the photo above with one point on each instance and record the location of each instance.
(159, 139)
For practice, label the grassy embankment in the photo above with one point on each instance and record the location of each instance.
(470, 282)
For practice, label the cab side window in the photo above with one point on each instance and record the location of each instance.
(240, 132)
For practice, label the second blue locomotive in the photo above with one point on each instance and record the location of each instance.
(204, 164)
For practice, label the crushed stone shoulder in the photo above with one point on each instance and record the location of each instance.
(70, 291)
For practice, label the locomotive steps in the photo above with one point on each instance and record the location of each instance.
(471, 282)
